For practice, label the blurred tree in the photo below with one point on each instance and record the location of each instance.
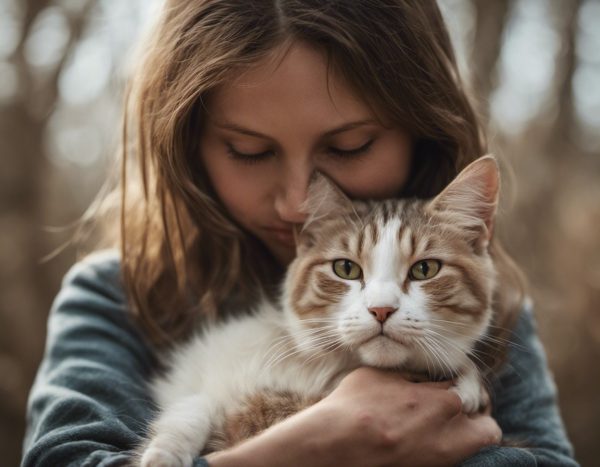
(490, 20)
(26, 288)
(566, 14)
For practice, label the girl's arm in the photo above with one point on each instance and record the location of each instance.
(526, 408)
(89, 403)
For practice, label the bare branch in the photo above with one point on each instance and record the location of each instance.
(566, 13)
(77, 24)
(490, 20)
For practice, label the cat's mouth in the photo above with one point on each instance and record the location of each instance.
(406, 336)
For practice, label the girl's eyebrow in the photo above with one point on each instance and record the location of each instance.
(246, 131)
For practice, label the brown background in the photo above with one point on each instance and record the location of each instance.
(535, 71)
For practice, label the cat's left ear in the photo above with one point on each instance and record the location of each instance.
(324, 201)
(472, 197)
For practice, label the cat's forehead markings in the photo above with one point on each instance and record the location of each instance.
(385, 251)
(413, 242)
(344, 243)
(374, 232)
(387, 210)
(401, 230)
(406, 241)
(361, 242)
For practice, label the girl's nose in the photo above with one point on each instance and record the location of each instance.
(291, 194)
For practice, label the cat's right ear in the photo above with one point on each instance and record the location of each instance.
(472, 197)
(323, 202)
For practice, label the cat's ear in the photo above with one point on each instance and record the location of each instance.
(472, 197)
(324, 201)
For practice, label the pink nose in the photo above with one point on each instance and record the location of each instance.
(382, 313)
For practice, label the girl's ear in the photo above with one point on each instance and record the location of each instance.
(472, 197)
(324, 201)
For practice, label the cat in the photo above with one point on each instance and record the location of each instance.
(400, 284)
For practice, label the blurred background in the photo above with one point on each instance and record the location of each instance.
(533, 65)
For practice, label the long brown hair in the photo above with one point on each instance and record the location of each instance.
(182, 254)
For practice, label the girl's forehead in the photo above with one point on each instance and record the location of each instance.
(293, 78)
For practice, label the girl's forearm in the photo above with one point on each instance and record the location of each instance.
(293, 442)
(372, 418)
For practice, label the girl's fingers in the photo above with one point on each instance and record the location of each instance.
(438, 384)
(474, 432)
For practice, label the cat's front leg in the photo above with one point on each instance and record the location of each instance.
(471, 391)
(258, 412)
(179, 434)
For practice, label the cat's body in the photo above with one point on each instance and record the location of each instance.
(395, 284)
(241, 357)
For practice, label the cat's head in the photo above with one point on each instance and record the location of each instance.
(396, 282)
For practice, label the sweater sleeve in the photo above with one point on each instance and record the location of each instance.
(526, 408)
(90, 403)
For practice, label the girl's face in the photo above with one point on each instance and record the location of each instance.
(271, 127)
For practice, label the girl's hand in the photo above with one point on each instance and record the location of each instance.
(373, 418)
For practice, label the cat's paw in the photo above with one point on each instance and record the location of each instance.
(158, 457)
(472, 394)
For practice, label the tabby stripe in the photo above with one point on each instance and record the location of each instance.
(345, 245)
(401, 231)
(361, 241)
(313, 308)
(406, 284)
(440, 289)
(385, 213)
(331, 287)
(429, 244)
(303, 282)
(374, 232)
(413, 242)
(461, 310)
(472, 285)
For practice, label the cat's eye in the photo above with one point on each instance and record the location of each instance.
(425, 269)
(347, 269)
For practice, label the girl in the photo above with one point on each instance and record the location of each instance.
(233, 108)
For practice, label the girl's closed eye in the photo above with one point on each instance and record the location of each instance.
(351, 152)
(254, 157)
(248, 157)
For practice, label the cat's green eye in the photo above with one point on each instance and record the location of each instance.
(347, 269)
(425, 269)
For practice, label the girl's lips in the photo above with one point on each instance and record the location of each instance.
(284, 236)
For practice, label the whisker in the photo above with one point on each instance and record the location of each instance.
(441, 353)
(483, 339)
(319, 320)
(338, 345)
(426, 354)
(437, 360)
(323, 338)
(317, 350)
(471, 352)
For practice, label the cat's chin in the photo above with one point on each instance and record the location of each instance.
(383, 352)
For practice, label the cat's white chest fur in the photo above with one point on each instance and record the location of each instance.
(243, 356)
(216, 371)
